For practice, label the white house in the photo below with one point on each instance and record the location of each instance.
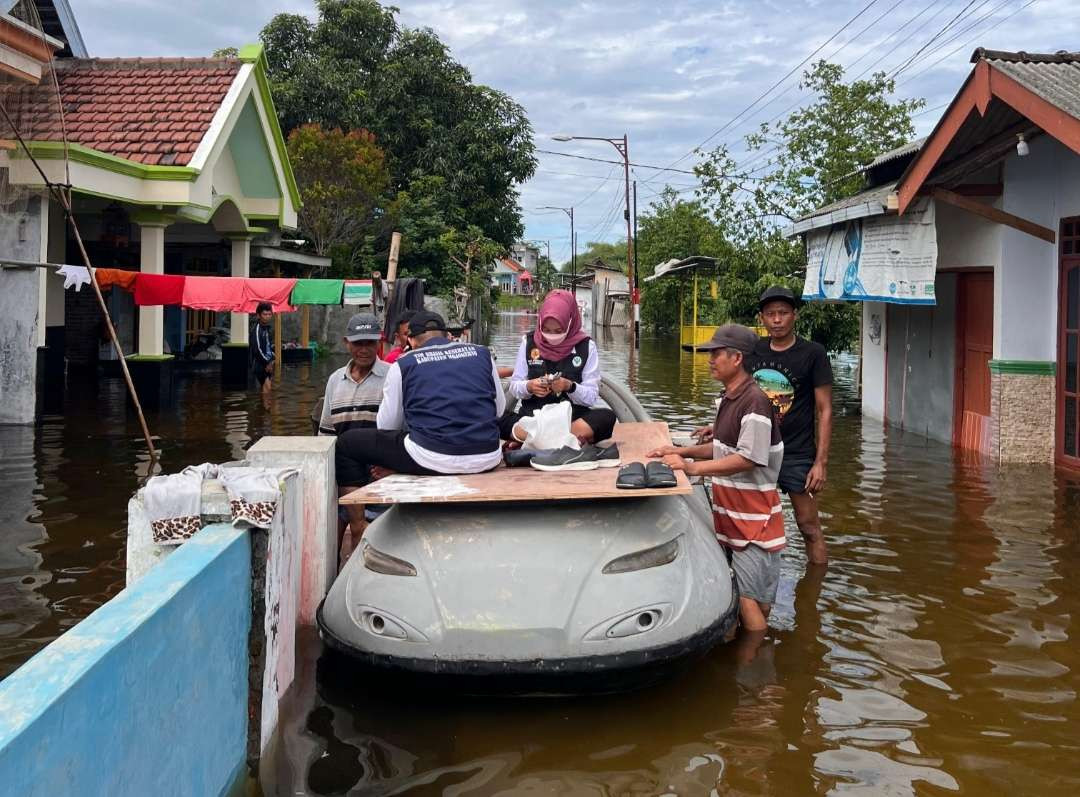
(965, 251)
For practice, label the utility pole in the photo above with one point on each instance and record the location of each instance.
(622, 145)
(635, 305)
(573, 240)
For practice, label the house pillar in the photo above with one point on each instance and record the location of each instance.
(152, 261)
(20, 239)
(151, 368)
(234, 354)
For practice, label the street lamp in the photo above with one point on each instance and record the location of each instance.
(622, 147)
(573, 249)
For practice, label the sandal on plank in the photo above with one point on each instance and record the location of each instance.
(659, 474)
(631, 477)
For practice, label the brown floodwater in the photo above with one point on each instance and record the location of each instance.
(936, 655)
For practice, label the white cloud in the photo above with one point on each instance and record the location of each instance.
(668, 74)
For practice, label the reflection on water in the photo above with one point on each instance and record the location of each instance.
(935, 656)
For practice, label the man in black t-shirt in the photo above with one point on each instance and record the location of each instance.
(796, 374)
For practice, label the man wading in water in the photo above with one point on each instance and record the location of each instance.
(261, 349)
(796, 374)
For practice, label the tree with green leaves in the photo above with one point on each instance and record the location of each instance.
(812, 157)
(357, 67)
(344, 185)
(613, 255)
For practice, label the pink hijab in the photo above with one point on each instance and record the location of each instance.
(562, 306)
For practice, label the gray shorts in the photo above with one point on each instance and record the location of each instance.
(757, 572)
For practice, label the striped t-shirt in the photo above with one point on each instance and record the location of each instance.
(746, 506)
(349, 404)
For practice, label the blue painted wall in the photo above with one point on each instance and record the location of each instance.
(147, 695)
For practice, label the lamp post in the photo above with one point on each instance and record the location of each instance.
(573, 248)
(623, 148)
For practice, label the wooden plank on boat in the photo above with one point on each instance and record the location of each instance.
(635, 440)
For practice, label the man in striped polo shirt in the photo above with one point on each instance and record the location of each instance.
(354, 391)
(743, 462)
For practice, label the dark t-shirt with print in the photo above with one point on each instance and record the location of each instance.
(788, 378)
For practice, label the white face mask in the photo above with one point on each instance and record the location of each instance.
(553, 339)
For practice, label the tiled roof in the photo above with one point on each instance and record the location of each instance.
(1053, 76)
(151, 111)
(512, 264)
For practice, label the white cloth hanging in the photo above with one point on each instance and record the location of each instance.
(74, 275)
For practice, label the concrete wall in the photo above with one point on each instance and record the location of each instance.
(21, 235)
(147, 695)
(1043, 187)
(921, 345)
(874, 338)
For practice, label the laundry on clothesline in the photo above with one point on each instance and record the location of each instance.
(275, 290)
(76, 276)
(155, 289)
(357, 292)
(108, 277)
(173, 503)
(223, 294)
(317, 291)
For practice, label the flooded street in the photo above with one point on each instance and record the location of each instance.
(936, 655)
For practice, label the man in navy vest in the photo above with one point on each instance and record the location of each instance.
(439, 413)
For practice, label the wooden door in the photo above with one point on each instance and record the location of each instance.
(1068, 366)
(974, 350)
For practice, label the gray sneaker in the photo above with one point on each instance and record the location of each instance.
(589, 457)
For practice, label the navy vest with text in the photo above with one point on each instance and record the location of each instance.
(572, 366)
(449, 397)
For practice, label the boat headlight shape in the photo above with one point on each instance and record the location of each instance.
(379, 562)
(642, 560)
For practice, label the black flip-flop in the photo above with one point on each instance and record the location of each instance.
(659, 474)
(631, 477)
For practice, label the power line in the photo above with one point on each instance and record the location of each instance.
(935, 37)
(607, 160)
(769, 90)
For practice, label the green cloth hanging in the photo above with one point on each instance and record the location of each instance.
(317, 292)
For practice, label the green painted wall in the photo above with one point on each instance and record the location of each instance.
(252, 157)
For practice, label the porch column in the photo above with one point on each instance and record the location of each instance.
(152, 261)
(240, 263)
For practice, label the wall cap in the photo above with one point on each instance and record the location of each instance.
(1030, 367)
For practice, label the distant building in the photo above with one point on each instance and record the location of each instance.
(527, 255)
(965, 252)
(511, 277)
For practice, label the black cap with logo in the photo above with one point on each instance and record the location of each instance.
(363, 326)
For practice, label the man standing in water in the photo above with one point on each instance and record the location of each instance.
(261, 348)
(742, 463)
(796, 374)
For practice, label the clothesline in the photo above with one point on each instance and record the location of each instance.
(223, 294)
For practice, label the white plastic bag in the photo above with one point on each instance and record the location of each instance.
(549, 428)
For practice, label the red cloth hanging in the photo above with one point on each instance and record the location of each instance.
(275, 290)
(214, 293)
(153, 289)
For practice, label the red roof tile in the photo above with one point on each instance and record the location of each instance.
(151, 110)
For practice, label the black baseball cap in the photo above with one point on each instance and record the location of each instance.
(777, 293)
(363, 326)
(731, 336)
(426, 321)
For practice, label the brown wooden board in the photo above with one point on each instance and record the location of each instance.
(635, 440)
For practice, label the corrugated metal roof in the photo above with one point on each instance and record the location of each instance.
(1053, 76)
(907, 149)
(871, 202)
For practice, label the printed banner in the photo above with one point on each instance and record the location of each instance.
(875, 259)
(357, 292)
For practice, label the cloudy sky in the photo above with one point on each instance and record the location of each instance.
(671, 74)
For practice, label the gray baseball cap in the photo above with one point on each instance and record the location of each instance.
(363, 326)
(731, 336)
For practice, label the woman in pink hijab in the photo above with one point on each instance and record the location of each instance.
(558, 362)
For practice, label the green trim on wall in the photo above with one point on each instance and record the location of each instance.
(128, 200)
(1033, 367)
(149, 358)
(254, 54)
(153, 218)
(54, 150)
